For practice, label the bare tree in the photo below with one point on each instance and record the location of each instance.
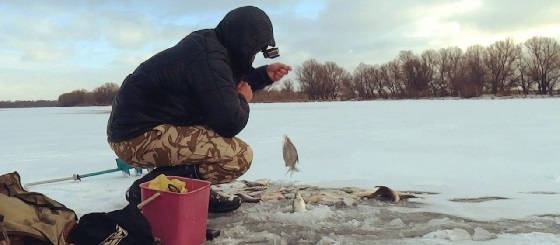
(74, 98)
(440, 85)
(369, 82)
(430, 58)
(392, 77)
(499, 60)
(365, 81)
(522, 72)
(474, 72)
(455, 72)
(309, 75)
(288, 86)
(322, 81)
(544, 62)
(334, 78)
(407, 61)
(379, 83)
(104, 94)
(448, 71)
(416, 74)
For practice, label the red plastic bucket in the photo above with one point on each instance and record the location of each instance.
(178, 218)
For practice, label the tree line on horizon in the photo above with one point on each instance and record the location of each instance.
(100, 96)
(503, 68)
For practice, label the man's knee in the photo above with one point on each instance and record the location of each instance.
(244, 159)
(225, 172)
(142, 151)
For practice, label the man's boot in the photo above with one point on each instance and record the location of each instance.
(218, 203)
(222, 204)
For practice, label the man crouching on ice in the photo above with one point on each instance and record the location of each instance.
(180, 110)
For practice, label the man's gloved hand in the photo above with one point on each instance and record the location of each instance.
(277, 70)
(245, 89)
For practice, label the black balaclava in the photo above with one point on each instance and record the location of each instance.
(244, 32)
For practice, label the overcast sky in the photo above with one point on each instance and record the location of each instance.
(51, 47)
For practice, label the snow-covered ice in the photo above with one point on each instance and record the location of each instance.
(458, 148)
(480, 234)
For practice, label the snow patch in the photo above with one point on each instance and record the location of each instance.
(530, 238)
(456, 234)
(370, 223)
(327, 241)
(354, 223)
(481, 234)
(438, 222)
(315, 215)
(397, 223)
(254, 237)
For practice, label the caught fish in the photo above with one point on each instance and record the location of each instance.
(298, 205)
(385, 193)
(290, 155)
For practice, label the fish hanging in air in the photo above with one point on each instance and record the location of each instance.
(290, 155)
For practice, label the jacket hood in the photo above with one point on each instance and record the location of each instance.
(244, 32)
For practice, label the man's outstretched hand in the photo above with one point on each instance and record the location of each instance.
(245, 89)
(277, 70)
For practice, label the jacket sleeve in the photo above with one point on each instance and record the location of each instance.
(223, 109)
(258, 78)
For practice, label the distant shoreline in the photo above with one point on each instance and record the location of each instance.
(17, 104)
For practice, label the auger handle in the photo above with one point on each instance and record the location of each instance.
(74, 177)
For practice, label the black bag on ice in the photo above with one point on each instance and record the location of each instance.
(121, 227)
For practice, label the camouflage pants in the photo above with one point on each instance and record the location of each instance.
(220, 159)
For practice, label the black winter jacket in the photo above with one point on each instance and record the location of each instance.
(194, 82)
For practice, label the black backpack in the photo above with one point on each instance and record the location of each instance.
(126, 226)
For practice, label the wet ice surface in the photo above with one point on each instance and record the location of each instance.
(459, 149)
(478, 199)
(372, 221)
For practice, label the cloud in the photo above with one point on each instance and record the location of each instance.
(504, 15)
(125, 33)
(131, 60)
(70, 41)
(40, 51)
(495, 20)
(33, 83)
(366, 31)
